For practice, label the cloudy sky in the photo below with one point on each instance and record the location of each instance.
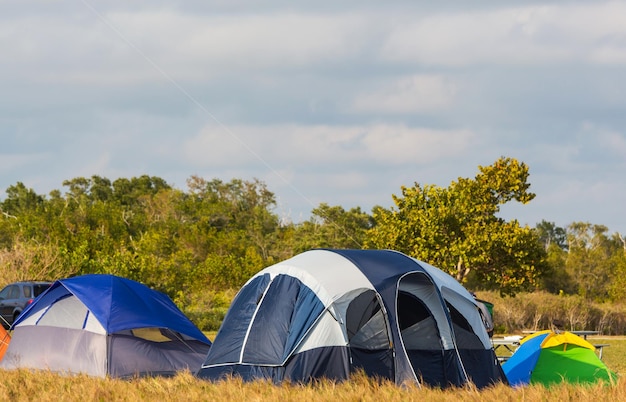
(341, 102)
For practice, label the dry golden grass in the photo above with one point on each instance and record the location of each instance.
(22, 385)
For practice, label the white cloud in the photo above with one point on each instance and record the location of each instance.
(79, 46)
(414, 94)
(614, 142)
(603, 140)
(278, 40)
(141, 46)
(591, 33)
(399, 144)
(321, 146)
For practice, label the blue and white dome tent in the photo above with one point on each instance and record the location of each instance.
(328, 313)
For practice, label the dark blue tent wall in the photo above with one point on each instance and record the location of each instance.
(271, 332)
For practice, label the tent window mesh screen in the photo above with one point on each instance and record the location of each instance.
(365, 323)
(153, 334)
(464, 335)
(418, 327)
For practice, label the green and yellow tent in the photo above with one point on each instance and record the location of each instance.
(549, 357)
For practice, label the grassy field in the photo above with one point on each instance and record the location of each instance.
(23, 385)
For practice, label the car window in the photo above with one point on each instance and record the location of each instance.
(15, 292)
(27, 292)
(39, 289)
(5, 292)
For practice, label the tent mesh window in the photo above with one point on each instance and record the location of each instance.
(365, 323)
(417, 325)
(370, 346)
(422, 340)
(464, 335)
(156, 334)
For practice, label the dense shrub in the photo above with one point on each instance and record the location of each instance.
(206, 308)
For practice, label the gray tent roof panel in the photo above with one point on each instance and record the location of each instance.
(328, 272)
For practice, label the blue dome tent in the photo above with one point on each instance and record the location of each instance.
(105, 325)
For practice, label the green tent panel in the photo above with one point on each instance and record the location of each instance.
(573, 364)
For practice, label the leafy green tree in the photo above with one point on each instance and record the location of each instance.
(239, 213)
(457, 229)
(557, 278)
(20, 200)
(21, 213)
(215, 235)
(550, 234)
(129, 192)
(332, 227)
(591, 260)
(553, 239)
(617, 289)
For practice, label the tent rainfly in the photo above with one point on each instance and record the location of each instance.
(105, 325)
(330, 313)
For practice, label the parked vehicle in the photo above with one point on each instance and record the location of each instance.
(16, 296)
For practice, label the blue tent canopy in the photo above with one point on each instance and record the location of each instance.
(105, 325)
(120, 304)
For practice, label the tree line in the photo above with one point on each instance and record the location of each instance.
(199, 245)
